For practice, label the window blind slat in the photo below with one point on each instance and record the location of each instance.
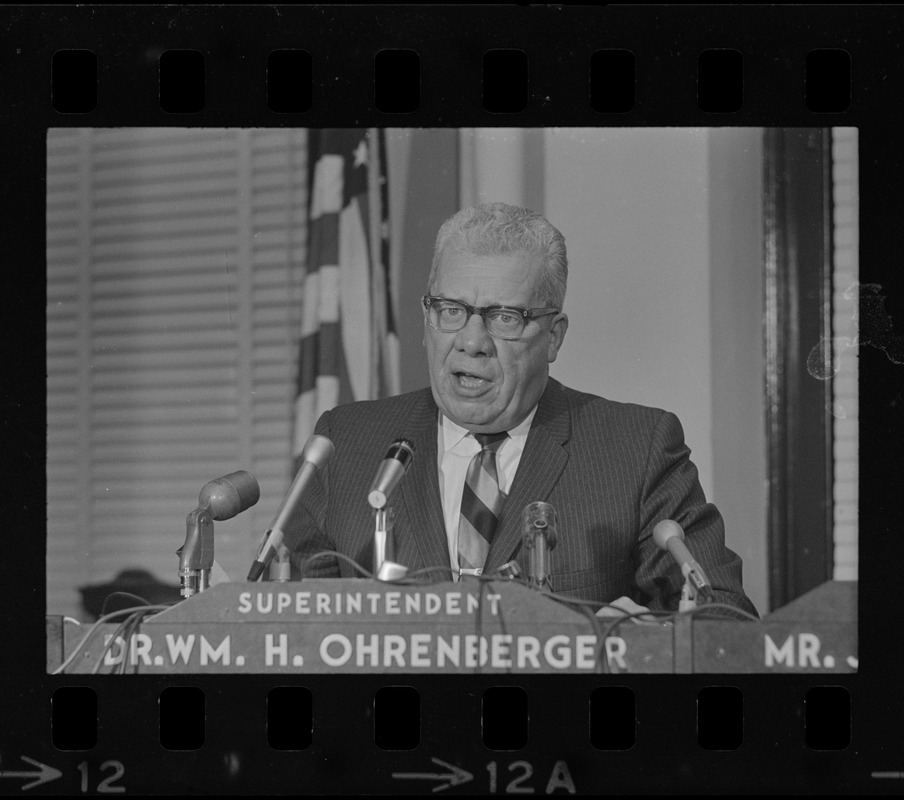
(170, 377)
(148, 321)
(123, 359)
(210, 187)
(162, 415)
(158, 405)
(154, 160)
(188, 225)
(209, 264)
(163, 245)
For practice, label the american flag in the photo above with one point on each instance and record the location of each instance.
(349, 346)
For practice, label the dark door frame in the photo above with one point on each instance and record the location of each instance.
(798, 307)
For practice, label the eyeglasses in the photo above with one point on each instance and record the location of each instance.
(503, 322)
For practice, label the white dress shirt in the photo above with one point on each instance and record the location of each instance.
(456, 446)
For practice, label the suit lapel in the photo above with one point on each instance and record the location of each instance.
(541, 464)
(421, 537)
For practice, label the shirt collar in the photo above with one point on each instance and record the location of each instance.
(453, 434)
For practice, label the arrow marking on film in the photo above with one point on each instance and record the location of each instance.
(456, 776)
(45, 775)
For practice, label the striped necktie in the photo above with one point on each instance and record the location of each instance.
(481, 504)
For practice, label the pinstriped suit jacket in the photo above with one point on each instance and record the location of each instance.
(611, 470)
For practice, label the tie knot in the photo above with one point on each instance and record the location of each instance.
(491, 441)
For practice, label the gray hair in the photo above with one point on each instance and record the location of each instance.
(492, 229)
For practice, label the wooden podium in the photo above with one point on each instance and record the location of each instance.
(357, 626)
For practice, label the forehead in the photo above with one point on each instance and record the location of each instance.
(507, 278)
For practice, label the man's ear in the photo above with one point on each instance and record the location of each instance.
(557, 332)
(424, 333)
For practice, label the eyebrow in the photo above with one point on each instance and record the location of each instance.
(490, 305)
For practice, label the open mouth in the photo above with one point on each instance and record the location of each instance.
(468, 380)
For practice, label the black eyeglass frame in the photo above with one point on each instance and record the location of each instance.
(526, 314)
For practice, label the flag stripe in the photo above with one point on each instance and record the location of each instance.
(324, 241)
(354, 282)
(328, 185)
(348, 349)
(320, 355)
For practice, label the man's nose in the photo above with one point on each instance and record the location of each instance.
(473, 339)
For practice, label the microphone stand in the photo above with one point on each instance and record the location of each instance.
(385, 569)
(693, 594)
(688, 601)
(196, 554)
(281, 565)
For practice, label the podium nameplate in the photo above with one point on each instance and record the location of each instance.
(348, 626)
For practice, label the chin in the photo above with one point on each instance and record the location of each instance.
(468, 414)
(471, 416)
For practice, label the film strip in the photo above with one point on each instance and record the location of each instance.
(808, 731)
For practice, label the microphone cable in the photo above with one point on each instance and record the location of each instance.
(602, 634)
(617, 622)
(130, 625)
(700, 611)
(483, 582)
(406, 580)
(145, 610)
(332, 554)
(668, 619)
(410, 578)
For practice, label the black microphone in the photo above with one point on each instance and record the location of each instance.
(669, 536)
(540, 527)
(317, 451)
(230, 495)
(391, 470)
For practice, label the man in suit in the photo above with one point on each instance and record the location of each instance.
(494, 433)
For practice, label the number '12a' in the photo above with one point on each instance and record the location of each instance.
(560, 778)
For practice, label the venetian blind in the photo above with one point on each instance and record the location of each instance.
(174, 260)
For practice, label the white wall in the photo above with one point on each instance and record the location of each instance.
(736, 288)
(664, 236)
(632, 205)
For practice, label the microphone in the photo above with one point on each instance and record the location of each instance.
(540, 527)
(317, 451)
(230, 495)
(220, 499)
(669, 536)
(391, 470)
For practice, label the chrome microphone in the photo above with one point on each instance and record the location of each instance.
(540, 527)
(317, 451)
(669, 536)
(392, 469)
